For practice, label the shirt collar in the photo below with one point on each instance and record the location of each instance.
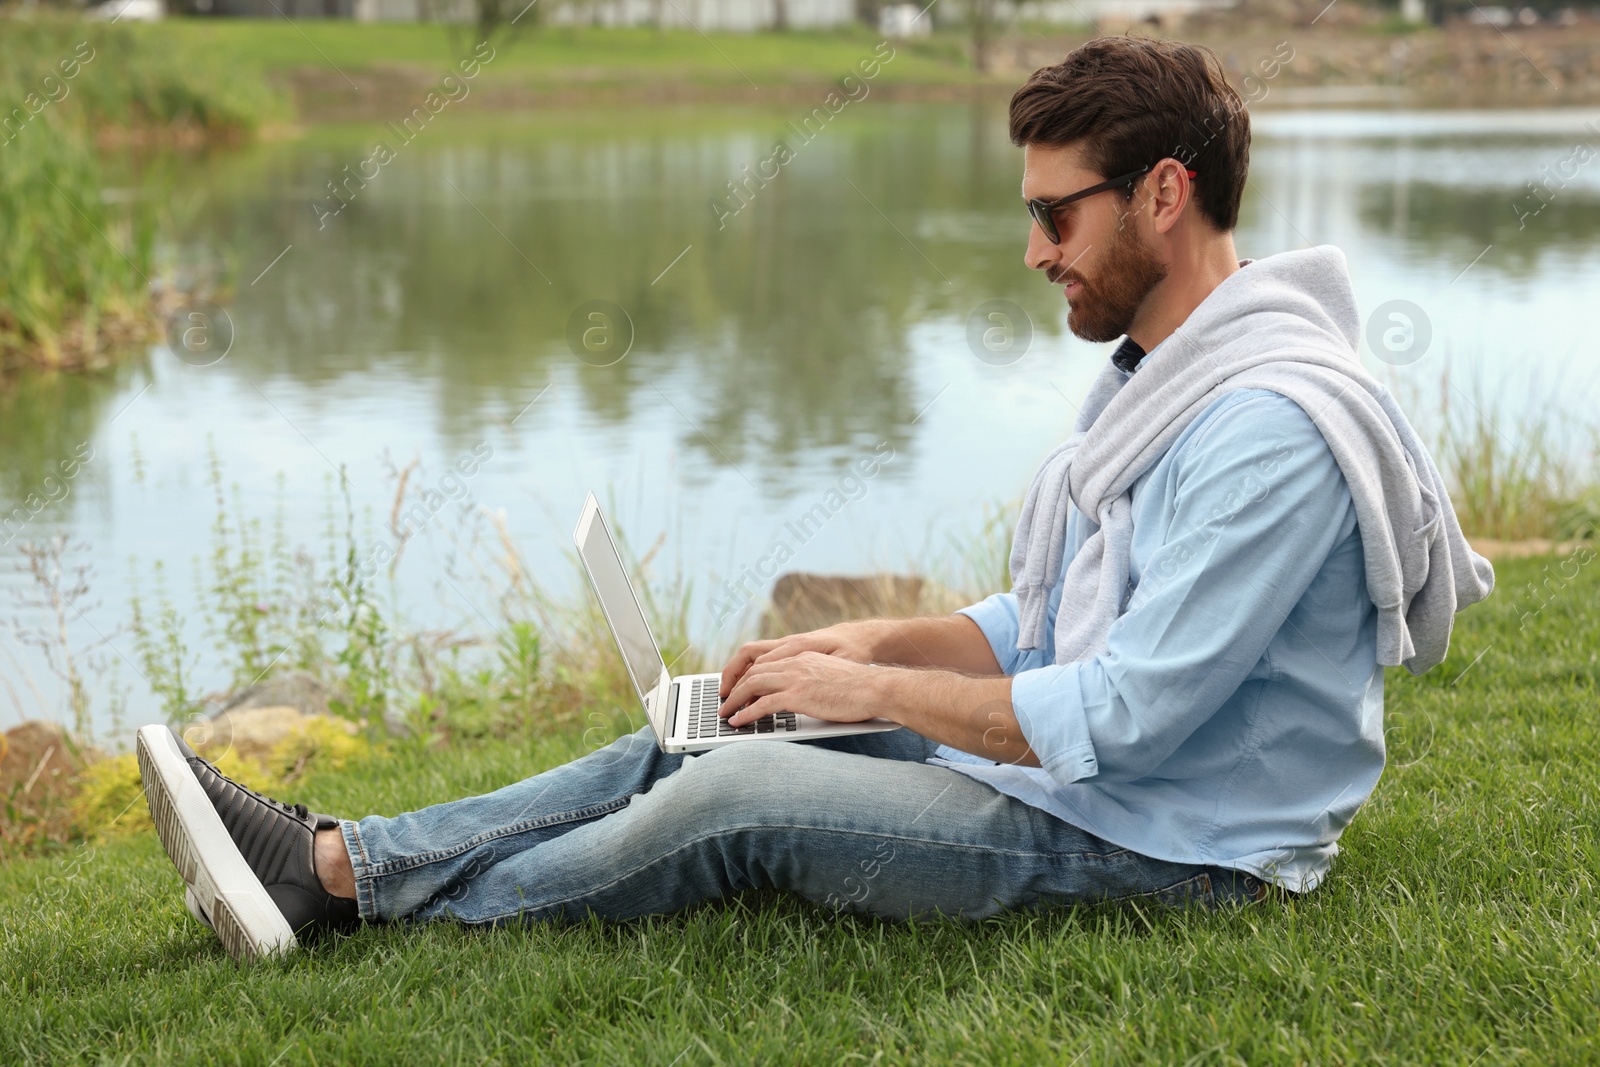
(1127, 356)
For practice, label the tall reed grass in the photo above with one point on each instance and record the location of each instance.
(1534, 475)
(124, 82)
(75, 271)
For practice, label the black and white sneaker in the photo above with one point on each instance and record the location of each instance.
(247, 860)
(191, 904)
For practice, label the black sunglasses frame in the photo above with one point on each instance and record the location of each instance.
(1043, 211)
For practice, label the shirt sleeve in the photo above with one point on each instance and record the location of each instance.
(997, 617)
(1258, 507)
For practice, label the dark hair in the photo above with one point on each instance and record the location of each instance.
(1129, 102)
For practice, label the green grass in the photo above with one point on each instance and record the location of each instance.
(128, 80)
(75, 271)
(1459, 927)
(565, 56)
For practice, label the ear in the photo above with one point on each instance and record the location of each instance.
(1166, 191)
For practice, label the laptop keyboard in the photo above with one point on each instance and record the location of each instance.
(704, 722)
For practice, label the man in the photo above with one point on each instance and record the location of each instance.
(1182, 698)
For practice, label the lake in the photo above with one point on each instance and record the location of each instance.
(530, 306)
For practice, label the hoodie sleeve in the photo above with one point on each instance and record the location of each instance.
(997, 616)
(1259, 505)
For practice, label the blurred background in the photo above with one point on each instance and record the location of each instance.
(319, 317)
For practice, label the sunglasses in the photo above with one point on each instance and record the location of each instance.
(1044, 211)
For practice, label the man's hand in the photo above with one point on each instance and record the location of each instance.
(810, 682)
(852, 641)
(971, 713)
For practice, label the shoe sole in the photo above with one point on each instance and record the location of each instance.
(243, 916)
(192, 904)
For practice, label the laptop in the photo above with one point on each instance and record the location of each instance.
(683, 710)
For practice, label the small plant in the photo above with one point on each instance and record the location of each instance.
(368, 675)
(61, 591)
(982, 561)
(517, 648)
(251, 605)
(164, 657)
(110, 800)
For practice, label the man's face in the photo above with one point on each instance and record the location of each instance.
(1105, 268)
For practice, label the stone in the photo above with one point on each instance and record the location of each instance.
(1494, 551)
(253, 732)
(39, 768)
(294, 689)
(802, 602)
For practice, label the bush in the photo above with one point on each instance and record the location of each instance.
(110, 799)
(73, 276)
(126, 80)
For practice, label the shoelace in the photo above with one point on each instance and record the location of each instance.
(298, 810)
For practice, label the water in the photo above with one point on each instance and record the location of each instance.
(771, 349)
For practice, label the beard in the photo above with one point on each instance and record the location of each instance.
(1104, 306)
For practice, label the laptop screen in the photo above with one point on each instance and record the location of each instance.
(621, 607)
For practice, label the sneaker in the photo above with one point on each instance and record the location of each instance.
(191, 904)
(246, 859)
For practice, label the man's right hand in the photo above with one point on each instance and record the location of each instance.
(854, 640)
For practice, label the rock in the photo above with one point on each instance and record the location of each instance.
(39, 768)
(1495, 551)
(40, 752)
(802, 602)
(294, 689)
(253, 732)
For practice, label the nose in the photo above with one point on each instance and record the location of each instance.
(1040, 253)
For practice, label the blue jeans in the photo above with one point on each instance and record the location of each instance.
(859, 824)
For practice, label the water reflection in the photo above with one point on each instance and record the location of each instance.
(462, 263)
(458, 267)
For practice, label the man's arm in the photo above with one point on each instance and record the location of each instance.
(970, 713)
(952, 642)
(1260, 504)
(889, 668)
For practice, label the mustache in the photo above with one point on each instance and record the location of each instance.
(1056, 275)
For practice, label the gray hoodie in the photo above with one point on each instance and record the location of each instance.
(1289, 324)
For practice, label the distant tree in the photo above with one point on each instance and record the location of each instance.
(984, 19)
(483, 21)
(867, 12)
(981, 17)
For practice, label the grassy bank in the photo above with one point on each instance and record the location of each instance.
(1355, 57)
(564, 55)
(80, 278)
(1458, 927)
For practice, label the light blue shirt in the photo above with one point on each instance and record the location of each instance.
(1236, 716)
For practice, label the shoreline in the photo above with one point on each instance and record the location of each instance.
(320, 102)
(1449, 68)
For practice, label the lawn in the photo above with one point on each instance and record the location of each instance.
(1459, 927)
(560, 57)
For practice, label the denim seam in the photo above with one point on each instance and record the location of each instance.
(366, 892)
(1208, 896)
(985, 849)
(424, 859)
